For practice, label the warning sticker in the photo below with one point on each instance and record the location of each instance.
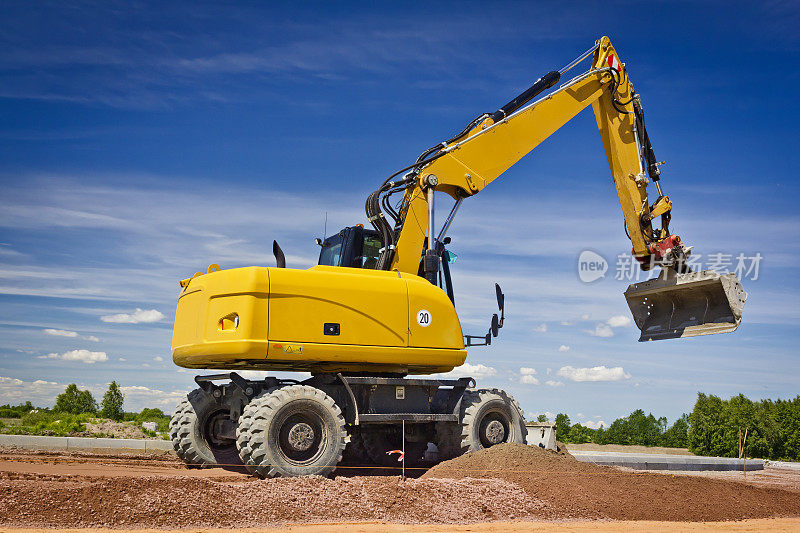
(424, 318)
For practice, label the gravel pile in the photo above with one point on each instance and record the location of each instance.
(192, 502)
(506, 482)
(571, 489)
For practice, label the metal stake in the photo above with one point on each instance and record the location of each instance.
(404, 449)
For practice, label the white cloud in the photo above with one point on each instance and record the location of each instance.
(158, 358)
(541, 328)
(566, 323)
(70, 334)
(585, 317)
(619, 321)
(596, 373)
(468, 370)
(60, 333)
(122, 359)
(138, 316)
(140, 396)
(84, 356)
(563, 348)
(552, 383)
(254, 375)
(528, 376)
(602, 330)
(40, 393)
(593, 425)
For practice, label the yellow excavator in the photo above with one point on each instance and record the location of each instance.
(379, 306)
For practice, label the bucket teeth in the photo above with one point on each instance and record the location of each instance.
(686, 305)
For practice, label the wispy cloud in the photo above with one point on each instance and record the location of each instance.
(69, 334)
(596, 373)
(478, 370)
(528, 376)
(83, 356)
(61, 333)
(137, 317)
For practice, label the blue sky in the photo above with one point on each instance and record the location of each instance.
(141, 143)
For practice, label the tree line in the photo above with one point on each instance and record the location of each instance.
(73, 409)
(712, 428)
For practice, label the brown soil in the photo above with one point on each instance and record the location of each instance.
(116, 430)
(573, 489)
(764, 525)
(196, 502)
(516, 483)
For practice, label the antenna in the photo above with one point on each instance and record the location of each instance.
(325, 227)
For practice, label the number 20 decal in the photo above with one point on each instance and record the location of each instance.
(424, 318)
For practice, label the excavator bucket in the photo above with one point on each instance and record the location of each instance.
(686, 305)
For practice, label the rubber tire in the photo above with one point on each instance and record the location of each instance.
(186, 431)
(448, 440)
(259, 428)
(378, 442)
(475, 405)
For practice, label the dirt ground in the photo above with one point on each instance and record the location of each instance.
(771, 525)
(513, 487)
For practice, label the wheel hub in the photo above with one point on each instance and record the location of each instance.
(495, 433)
(301, 437)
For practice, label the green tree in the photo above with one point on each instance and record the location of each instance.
(112, 402)
(562, 427)
(75, 401)
(541, 418)
(580, 434)
(677, 436)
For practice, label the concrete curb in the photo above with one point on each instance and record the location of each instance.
(31, 442)
(784, 464)
(641, 461)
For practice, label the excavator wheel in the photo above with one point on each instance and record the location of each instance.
(192, 431)
(295, 430)
(379, 440)
(488, 417)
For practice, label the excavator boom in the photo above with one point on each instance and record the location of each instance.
(492, 143)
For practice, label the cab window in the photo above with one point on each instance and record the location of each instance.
(331, 252)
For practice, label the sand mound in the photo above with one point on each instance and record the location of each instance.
(41, 501)
(571, 489)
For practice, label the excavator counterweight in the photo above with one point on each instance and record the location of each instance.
(686, 305)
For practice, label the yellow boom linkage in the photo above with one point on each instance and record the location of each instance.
(677, 304)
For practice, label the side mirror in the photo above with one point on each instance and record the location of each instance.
(501, 298)
(495, 325)
(318, 241)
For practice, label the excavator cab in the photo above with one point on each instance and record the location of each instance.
(353, 247)
(357, 247)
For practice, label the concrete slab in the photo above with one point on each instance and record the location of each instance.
(641, 461)
(99, 445)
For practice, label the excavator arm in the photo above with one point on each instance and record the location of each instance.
(672, 306)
